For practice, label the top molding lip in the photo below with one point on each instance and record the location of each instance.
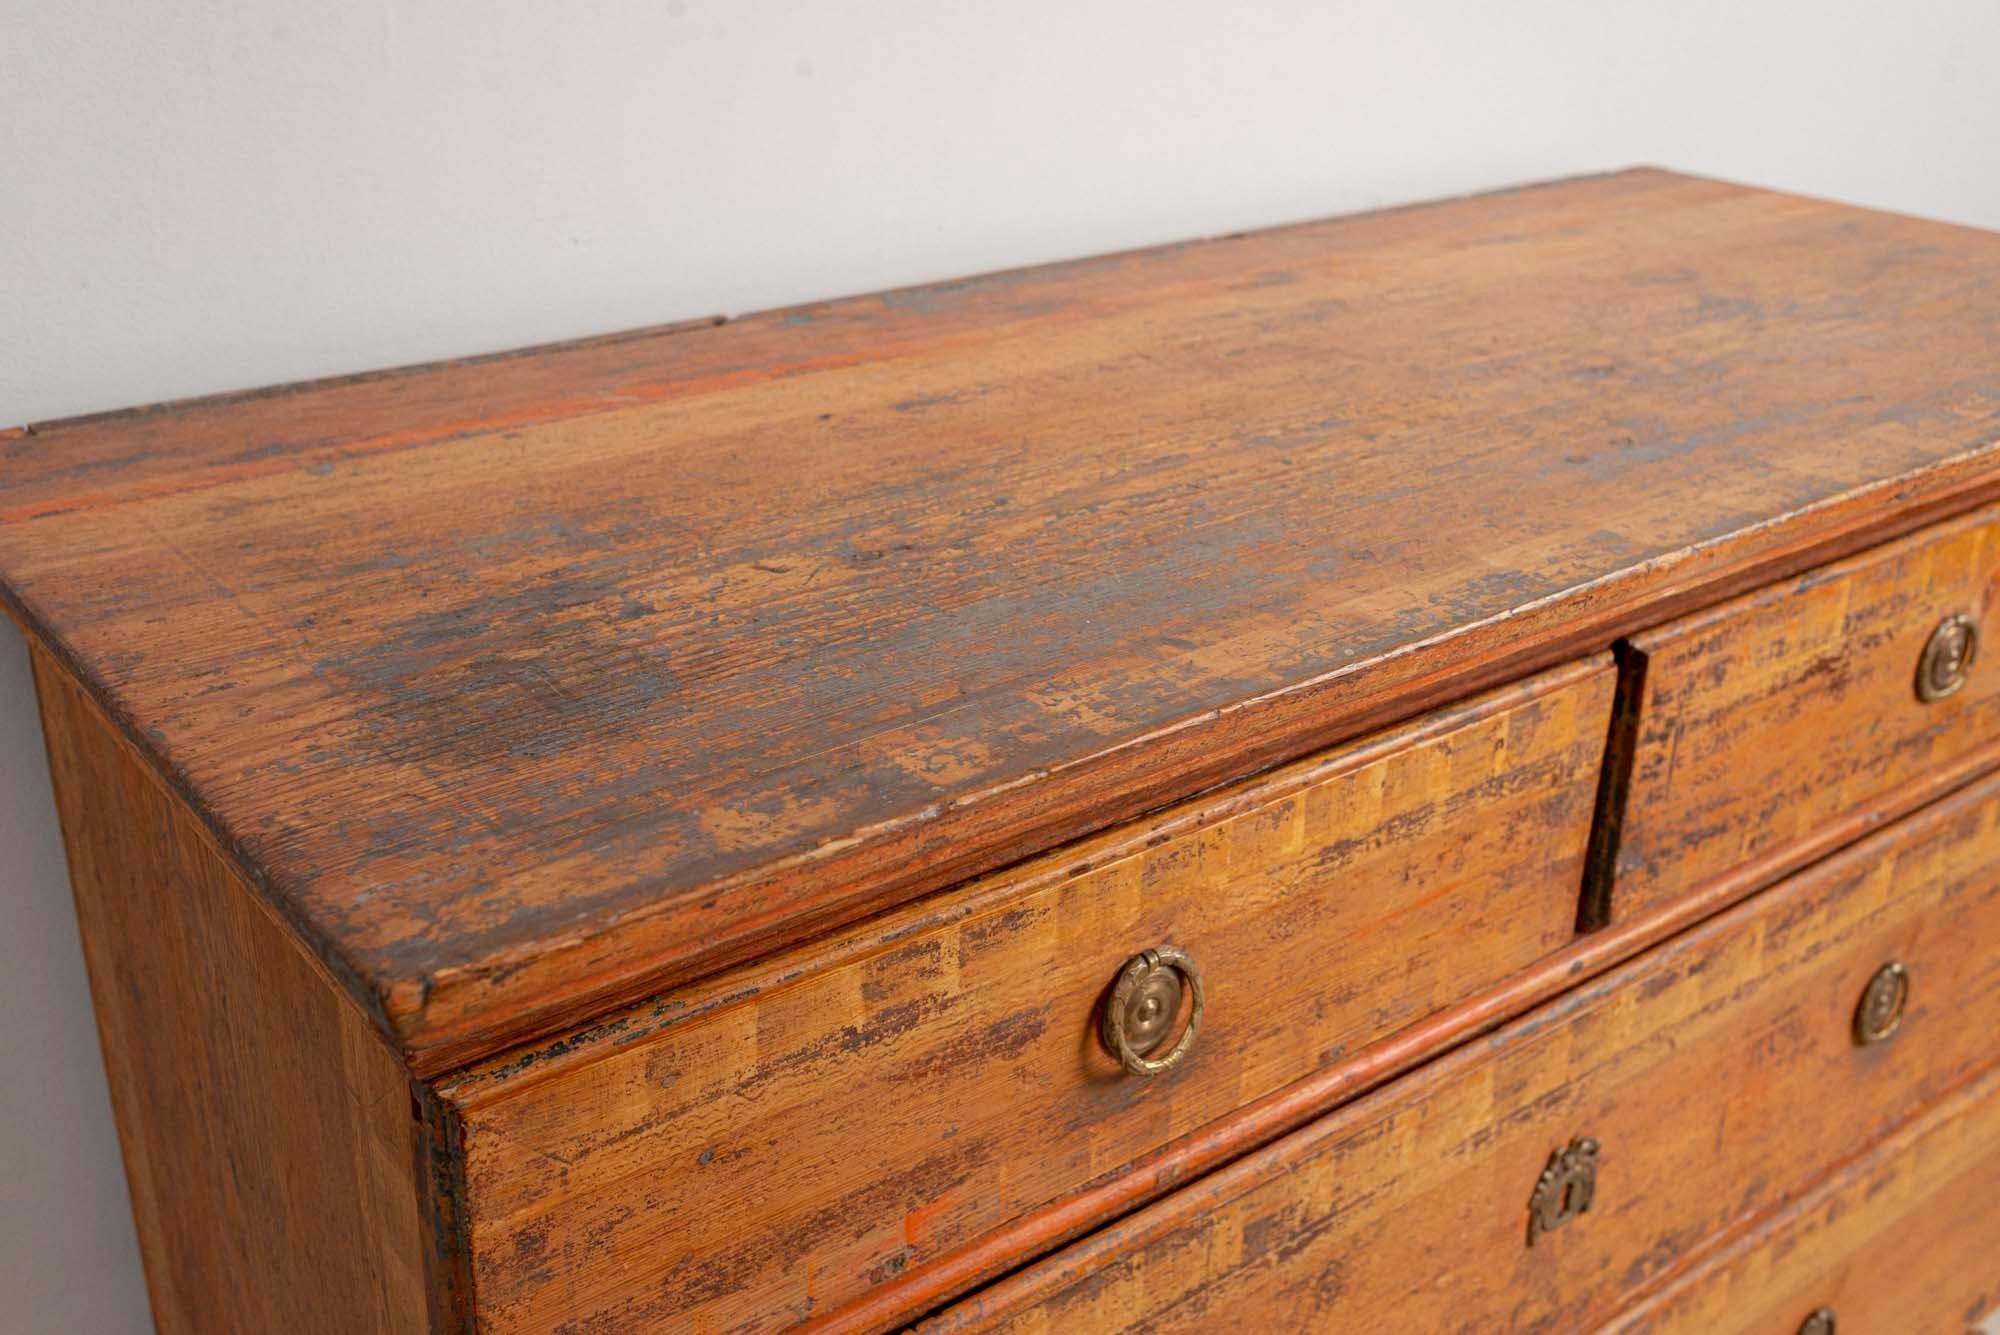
(503, 681)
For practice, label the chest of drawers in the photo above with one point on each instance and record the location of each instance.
(1428, 769)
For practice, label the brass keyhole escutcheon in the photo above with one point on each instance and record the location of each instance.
(1565, 1189)
(1819, 1322)
(1879, 1013)
(1947, 658)
(1144, 1005)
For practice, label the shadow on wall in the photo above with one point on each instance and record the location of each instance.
(69, 1259)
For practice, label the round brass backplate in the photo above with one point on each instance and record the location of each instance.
(1880, 1011)
(1821, 1322)
(1152, 1009)
(1145, 1003)
(1947, 658)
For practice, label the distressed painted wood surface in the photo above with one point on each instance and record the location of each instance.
(529, 686)
(744, 1159)
(280, 1176)
(1259, 1122)
(1902, 1239)
(1718, 1072)
(1763, 721)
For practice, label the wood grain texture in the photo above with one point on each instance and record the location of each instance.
(804, 1130)
(1901, 1239)
(1766, 719)
(1261, 1121)
(275, 1162)
(530, 686)
(1718, 1072)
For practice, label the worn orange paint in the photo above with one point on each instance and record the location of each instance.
(279, 1179)
(1761, 721)
(635, 832)
(529, 687)
(1263, 1120)
(1897, 1239)
(941, 1066)
(1718, 1072)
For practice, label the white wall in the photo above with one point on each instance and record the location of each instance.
(198, 196)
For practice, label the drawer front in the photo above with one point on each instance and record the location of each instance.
(1902, 1239)
(1719, 1076)
(1764, 723)
(802, 1133)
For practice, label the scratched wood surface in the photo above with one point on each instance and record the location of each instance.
(1763, 721)
(277, 1173)
(749, 1156)
(1901, 1239)
(529, 686)
(1718, 1072)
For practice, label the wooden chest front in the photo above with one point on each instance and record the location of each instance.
(1716, 1080)
(797, 1133)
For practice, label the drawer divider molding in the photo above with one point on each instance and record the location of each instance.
(1614, 783)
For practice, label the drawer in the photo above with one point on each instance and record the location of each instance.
(1773, 727)
(747, 1153)
(1902, 1240)
(1719, 1076)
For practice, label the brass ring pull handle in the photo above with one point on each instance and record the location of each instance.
(1820, 1321)
(1143, 1005)
(1947, 657)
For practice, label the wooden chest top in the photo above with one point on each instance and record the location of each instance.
(525, 685)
